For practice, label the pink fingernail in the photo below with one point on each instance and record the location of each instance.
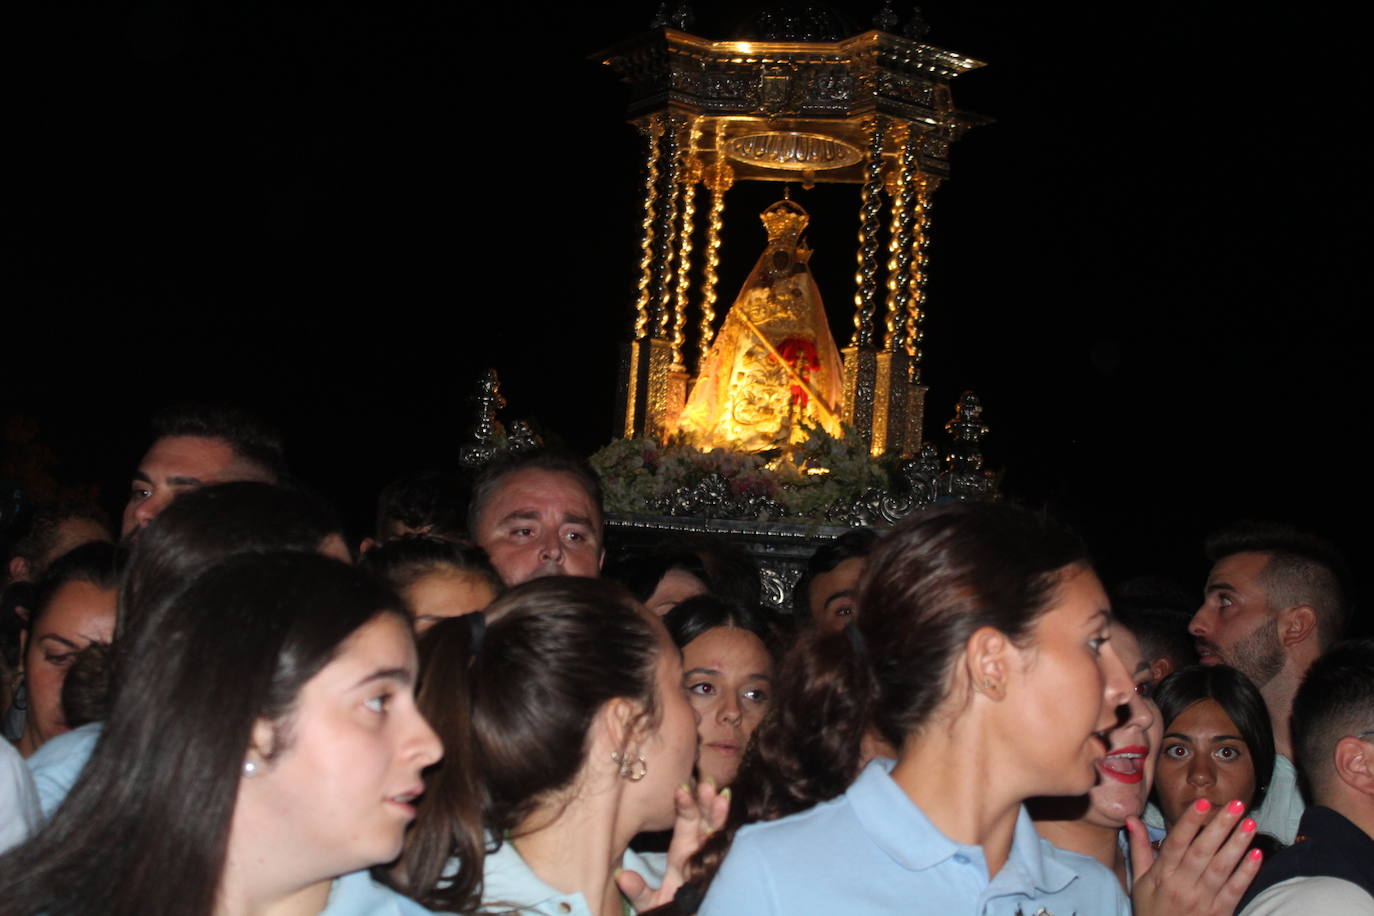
(1236, 807)
(1247, 825)
(1202, 806)
(1256, 855)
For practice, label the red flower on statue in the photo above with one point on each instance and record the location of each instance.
(800, 354)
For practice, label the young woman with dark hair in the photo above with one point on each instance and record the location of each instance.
(1218, 742)
(727, 659)
(983, 653)
(198, 530)
(74, 607)
(435, 578)
(571, 717)
(263, 748)
(1092, 824)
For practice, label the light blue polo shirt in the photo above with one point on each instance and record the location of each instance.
(509, 884)
(357, 894)
(57, 765)
(872, 851)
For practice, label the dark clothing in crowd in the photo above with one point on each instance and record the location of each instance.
(1328, 845)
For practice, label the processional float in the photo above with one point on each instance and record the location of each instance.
(756, 425)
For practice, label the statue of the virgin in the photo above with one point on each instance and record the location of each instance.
(773, 370)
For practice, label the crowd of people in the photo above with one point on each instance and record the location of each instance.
(229, 708)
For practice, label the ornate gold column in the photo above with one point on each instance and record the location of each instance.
(870, 224)
(719, 177)
(647, 359)
(861, 381)
(651, 128)
(924, 186)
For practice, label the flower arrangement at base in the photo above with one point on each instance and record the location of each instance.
(799, 483)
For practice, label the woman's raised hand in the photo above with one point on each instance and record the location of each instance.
(1202, 867)
(698, 816)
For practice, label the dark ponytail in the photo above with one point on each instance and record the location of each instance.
(448, 821)
(514, 718)
(933, 581)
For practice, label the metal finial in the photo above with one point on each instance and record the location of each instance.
(523, 437)
(967, 430)
(482, 443)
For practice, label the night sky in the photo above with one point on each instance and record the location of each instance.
(1152, 266)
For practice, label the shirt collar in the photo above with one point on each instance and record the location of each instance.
(894, 823)
(1028, 854)
(507, 879)
(902, 831)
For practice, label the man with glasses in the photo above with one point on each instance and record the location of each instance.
(1330, 869)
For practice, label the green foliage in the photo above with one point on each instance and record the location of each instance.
(636, 472)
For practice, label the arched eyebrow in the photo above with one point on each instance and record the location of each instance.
(1215, 738)
(712, 672)
(403, 676)
(842, 593)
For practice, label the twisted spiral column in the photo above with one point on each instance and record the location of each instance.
(866, 277)
(667, 224)
(718, 180)
(651, 129)
(919, 275)
(902, 240)
(684, 258)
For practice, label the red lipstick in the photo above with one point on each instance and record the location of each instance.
(1125, 764)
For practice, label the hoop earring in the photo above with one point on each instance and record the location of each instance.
(632, 768)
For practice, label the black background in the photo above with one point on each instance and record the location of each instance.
(1152, 267)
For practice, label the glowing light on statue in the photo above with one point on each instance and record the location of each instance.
(773, 368)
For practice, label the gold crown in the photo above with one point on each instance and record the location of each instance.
(785, 222)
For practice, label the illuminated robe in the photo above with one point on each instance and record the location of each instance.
(774, 363)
